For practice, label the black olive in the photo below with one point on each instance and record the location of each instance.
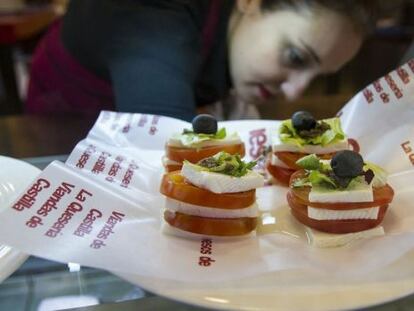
(303, 120)
(347, 163)
(204, 124)
(342, 182)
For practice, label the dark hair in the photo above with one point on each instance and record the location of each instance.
(362, 13)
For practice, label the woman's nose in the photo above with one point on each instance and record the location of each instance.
(295, 85)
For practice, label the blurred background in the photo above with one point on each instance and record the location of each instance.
(23, 22)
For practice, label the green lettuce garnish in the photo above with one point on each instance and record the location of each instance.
(301, 182)
(321, 179)
(189, 138)
(380, 175)
(227, 164)
(309, 162)
(313, 162)
(316, 178)
(319, 174)
(334, 134)
(356, 182)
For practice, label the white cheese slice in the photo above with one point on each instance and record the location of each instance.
(230, 139)
(360, 193)
(197, 210)
(278, 146)
(166, 161)
(220, 183)
(276, 161)
(324, 240)
(327, 214)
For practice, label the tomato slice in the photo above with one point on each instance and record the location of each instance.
(290, 158)
(173, 167)
(354, 145)
(174, 186)
(281, 174)
(194, 155)
(210, 226)
(300, 212)
(382, 196)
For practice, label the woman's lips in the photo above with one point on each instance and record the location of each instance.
(265, 94)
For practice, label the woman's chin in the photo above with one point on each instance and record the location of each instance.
(248, 96)
(256, 96)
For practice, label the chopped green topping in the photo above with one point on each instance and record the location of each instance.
(320, 128)
(227, 164)
(189, 138)
(328, 131)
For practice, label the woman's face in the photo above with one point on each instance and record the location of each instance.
(280, 52)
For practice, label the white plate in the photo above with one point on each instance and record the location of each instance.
(290, 290)
(15, 175)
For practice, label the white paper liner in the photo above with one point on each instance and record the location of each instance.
(117, 169)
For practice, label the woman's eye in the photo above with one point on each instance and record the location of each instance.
(295, 58)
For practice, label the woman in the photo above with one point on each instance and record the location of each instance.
(172, 57)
